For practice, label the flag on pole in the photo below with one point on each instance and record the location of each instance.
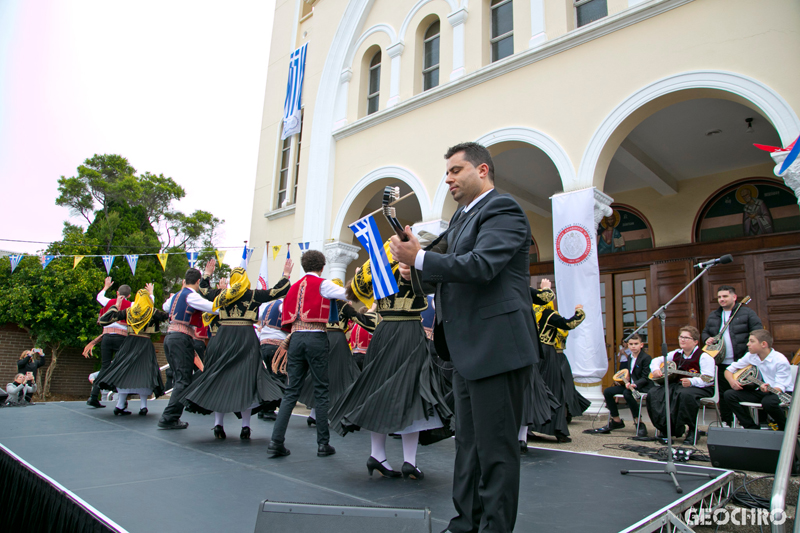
(46, 260)
(162, 258)
(246, 253)
(288, 250)
(276, 250)
(108, 260)
(77, 259)
(220, 255)
(192, 257)
(294, 92)
(303, 247)
(794, 152)
(263, 272)
(383, 282)
(132, 260)
(15, 259)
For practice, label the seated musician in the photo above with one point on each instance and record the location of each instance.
(685, 392)
(775, 372)
(638, 367)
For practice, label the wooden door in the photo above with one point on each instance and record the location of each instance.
(667, 280)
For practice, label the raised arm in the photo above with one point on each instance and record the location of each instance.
(560, 322)
(368, 320)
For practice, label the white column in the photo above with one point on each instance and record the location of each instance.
(394, 52)
(538, 36)
(340, 110)
(602, 207)
(337, 256)
(792, 175)
(457, 19)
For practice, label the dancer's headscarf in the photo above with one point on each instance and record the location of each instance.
(140, 313)
(238, 285)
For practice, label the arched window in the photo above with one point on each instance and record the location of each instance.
(430, 63)
(373, 94)
(502, 29)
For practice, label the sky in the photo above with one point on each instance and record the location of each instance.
(175, 86)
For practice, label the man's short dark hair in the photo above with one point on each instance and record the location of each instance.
(635, 337)
(475, 153)
(124, 290)
(312, 261)
(762, 335)
(192, 276)
(728, 288)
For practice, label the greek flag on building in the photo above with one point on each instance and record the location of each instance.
(383, 282)
(294, 92)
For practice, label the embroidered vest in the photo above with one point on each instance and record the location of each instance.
(305, 303)
(181, 312)
(688, 365)
(124, 305)
(272, 317)
(429, 318)
(359, 339)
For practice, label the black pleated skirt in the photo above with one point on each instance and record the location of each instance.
(342, 371)
(540, 405)
(235, 378)
(134, 367)
(552, 373)
(576, 402)
(398, 385)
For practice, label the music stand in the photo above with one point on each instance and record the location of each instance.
(669, 468)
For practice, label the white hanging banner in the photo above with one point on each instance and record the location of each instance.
(578, 282)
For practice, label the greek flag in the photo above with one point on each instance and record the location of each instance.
(383, 282)
(15, 259)
(192, 257)
(108, 260)
(246, 253)
(294, 92)
(303, 247)
(132, 260)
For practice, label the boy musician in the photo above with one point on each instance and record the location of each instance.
(775, 373)
(638, 366)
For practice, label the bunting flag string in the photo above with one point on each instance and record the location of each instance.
(220, 255)
(108, 261)
(192, 257)
(77, 260)
(132, 260)
(46, 260)
(276, 249)
(15, 259)
(162, 258)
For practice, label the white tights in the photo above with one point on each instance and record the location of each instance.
(410, 441)
(218, 418)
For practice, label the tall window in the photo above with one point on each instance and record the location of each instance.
(430, 64)
(283, 175)
(373, 94)
(297, 159)
(502, 29)
(590, 10)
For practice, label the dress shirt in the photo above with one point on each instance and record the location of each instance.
(775, 369)
(329, 290)
(725, 317)
(419, 259)
(630, 369)
(707, 366)
(102, 300)
(195, 301)
(267, 332)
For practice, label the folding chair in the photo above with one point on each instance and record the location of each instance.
(755, 406)
(709, 402)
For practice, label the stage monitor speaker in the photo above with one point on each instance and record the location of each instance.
(314, 518)
(745, 449)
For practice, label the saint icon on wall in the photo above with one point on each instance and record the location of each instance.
(609, 238)
(756, 216)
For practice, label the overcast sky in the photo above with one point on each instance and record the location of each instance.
(175, 86)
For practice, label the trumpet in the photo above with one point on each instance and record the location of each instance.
(623, 376)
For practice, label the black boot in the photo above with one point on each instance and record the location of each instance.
(94, 402)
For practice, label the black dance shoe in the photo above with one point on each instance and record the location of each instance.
(523, 447)
(689, 440)
(608, 428)
(143, 411)
(374, 464)
(219, 432)
(277, 450)
(120, 412)
(310, 421)
(324, 450)
(270, 415)
(94, 402)
(642, 431)
(561, 438)
(412, 471)
(177, 424)
(245, 434)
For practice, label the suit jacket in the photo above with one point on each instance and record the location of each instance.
(640, 372)
(483, 297)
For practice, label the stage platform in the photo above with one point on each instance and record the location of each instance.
(145, 479)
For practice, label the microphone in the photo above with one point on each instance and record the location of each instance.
(724, 260)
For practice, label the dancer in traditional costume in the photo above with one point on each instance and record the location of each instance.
(270, 335)
(359, 340)
(397, 392)
(342, 367)
(135, 369)
(234, 379)
(555, 369)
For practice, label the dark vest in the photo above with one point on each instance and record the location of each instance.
(181, 312)
(122, 306)
(272, 315)
(688, 365)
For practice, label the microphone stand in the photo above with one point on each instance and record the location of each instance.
(669, 467)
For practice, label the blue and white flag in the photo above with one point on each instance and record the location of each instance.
(303, 247)
(383, 282)
(132, 260)
(15, 259)
(46, 260)
(192, 257)
(108, 260)
(246, 253)
(294, 92)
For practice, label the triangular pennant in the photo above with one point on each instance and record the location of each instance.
(162, 258)
(220, 255)
(46, 260)
(192, 257)
(132, 260)
(77, 260)
(303, 247)
(15, 259)
(276, 250)
(108, 261)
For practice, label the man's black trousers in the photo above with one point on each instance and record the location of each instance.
(179, 349)
(109, 346)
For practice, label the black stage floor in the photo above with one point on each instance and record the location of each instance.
(146, 479)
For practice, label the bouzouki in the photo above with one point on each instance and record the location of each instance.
(750, 375)
(623, 376)
(391, 195)
(673, 371)
(716, 348)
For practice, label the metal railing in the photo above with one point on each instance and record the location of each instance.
(777, 506)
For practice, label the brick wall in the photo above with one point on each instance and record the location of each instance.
(71, 376)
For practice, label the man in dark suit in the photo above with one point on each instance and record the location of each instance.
(639, 381)
(484, 313)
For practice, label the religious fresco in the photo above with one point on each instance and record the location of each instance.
(623, 231)
(749, 208)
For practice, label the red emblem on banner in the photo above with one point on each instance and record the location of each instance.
(573, 245)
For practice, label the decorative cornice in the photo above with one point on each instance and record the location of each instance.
(602, 206)
(572, 39)
(280, 213)
(459, 16)
(346, 75)
(396, 49)
(339, 253)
